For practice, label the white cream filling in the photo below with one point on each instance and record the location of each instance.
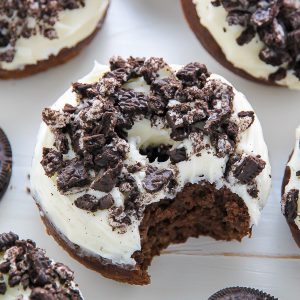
(243, 57)
(92, 231)
(294, 165)
(72, 27)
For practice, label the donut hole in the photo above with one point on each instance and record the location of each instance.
(156, 152)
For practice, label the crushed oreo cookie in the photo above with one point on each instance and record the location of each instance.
(277, 24)
(24, 19)
(248, 168)
(91, 145)
(27, 266)
(291, 205)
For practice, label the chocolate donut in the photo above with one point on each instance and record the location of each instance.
(258, 40)
(38, 35)
(141, 154)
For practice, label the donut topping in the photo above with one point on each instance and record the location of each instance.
(23, 19)
(22, 263)
(194, 111)
(276, 23)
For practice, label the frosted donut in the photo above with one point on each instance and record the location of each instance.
(139, 155)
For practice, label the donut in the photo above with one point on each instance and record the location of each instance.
(290, 191)
(27, 273)
(37, 35)
(258, 40)
(241, 293)
(140, 154)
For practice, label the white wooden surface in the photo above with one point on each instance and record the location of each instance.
(269, 260)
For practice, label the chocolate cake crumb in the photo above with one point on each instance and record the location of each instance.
(291, 205)
(276, 23)
(249, 168)
(24, 19)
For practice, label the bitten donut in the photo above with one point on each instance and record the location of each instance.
(139, 155)
(37, 35)
(258, 40)
(290, 191)
(26, 273)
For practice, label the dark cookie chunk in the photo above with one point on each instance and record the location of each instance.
(132, 103)
(85, 90)
(52, 161)
(54, 118)
(91, 203)
(291, 205)
(241, 293)
(193, 74)
(278, 75)
(73, 175)
(177, 155)
(238, 17)
(155, 180)
(7, 240)
(5, 162)
(61, 142)
(224, 146)
(94, 143)
(135, 168)
(247, 169)
(150, 68)
(246, 119)
(106, 181)
(166, 88)
(246, 36)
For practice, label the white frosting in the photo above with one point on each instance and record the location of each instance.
(72, 27)
(92, 231)
(243, 57)
(294, 165)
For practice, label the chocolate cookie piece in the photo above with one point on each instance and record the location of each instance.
(5, 162)
(241, 293)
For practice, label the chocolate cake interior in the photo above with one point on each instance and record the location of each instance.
(200, 209)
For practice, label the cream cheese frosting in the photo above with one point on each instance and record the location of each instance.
(72, 27)
(92, 231)
(244, 57)
(294, 180)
